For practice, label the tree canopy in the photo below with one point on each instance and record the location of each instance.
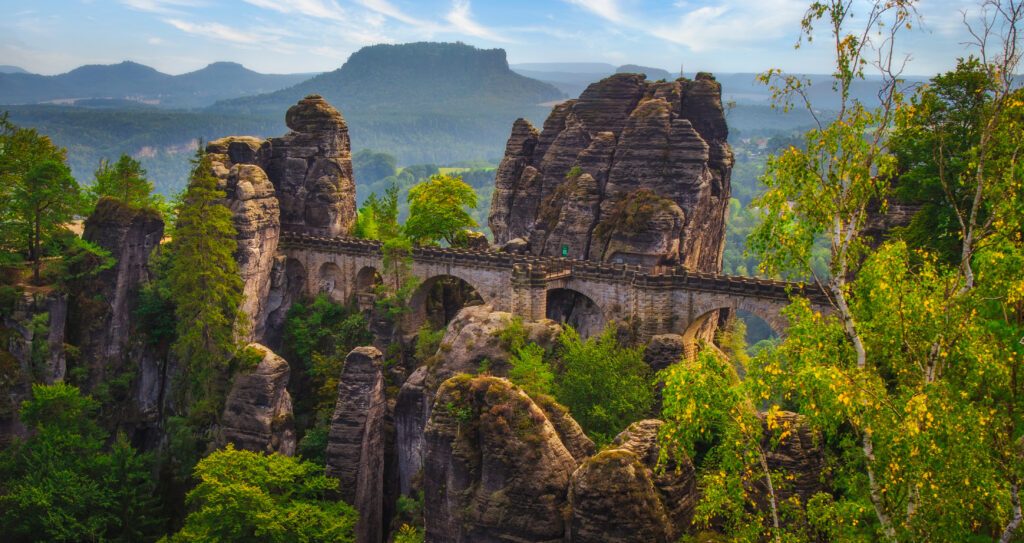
(438, 210)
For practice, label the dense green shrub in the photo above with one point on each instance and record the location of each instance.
(606, 386)
(246, 496)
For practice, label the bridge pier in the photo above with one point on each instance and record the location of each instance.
(529, 292)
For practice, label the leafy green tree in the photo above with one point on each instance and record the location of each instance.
(60, 484)
(126, 182)
(21, 149)
(912, 380)
(438, 210)
(529, 370)
(246, 496)
(204, 286)
(378, 217)
(605, 386)
(42, 203)
(398, 283)
(710, 412)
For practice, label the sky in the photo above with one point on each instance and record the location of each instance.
(292, 36)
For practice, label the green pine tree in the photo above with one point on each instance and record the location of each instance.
(205, 287)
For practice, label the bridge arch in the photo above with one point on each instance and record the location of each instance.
(367, 278)
(439, 298)
(331, 281)
(722, 308)
(295, 278)
(572, 307)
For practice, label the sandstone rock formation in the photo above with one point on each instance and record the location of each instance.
(301, 182)
(495, 469)
(258, 411)
(256, 216)
(355, 445)
(621, 495)
(311, 168)
(101, 312)
(631, 171)
(799, 454)
(474, 335)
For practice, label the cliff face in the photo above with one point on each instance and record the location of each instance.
(301, 182)
(631, 171)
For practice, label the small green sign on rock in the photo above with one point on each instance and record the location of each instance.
(565, 250)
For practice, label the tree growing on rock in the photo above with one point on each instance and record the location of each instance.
(126, 182)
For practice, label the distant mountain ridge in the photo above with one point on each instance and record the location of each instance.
(424, 102)
(133, 81)
(572, 77)
(8, 69)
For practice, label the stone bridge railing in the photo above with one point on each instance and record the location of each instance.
(549, 269)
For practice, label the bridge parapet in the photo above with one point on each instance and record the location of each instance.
(557, 269)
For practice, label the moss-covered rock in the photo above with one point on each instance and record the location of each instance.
(495, 469)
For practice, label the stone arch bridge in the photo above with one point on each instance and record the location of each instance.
(660, 301)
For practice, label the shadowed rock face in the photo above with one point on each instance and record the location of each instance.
(311, 168)
(631, 171)
(130, 236)
(258, 411)
(355, 443)
(495, 468)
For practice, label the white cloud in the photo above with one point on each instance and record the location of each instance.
(155, 41)
(732, 23)
(384, 7)
(321, 9)
(215, 31)
(163, 7)
(462, 21)
(606, 9)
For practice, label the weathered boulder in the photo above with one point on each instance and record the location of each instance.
(569, 431)
(101, 311)
(664, 350)
(495, 468)
(517, 246)
(631, 171)
(258, 411)
(356, 440)
(311, 168)
(256, 217)
(613, 500)
(474, 335)
(476, 241)
(622, 495)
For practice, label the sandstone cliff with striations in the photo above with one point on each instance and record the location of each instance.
(311, 168)
(302, 183)
(256, 217)
(258, 410)
(631, 171)
(356, 440)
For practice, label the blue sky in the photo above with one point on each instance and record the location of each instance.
(284, 36)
